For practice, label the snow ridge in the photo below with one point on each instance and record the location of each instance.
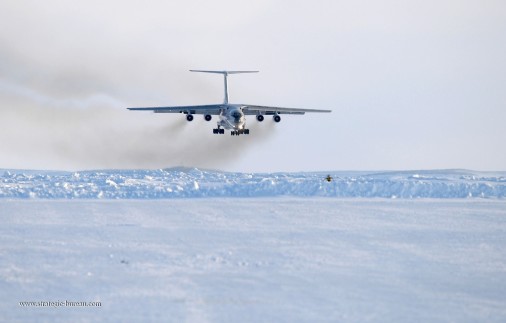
(193, 183)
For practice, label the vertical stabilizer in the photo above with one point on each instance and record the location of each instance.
(225, 75)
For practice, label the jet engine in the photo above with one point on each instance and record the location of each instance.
(189, 117)
(277, 118)
(208, 117)
(260, 118)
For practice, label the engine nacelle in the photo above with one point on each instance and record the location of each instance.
(260, 118)
(189, 117)
(208, 117)
(277, 118)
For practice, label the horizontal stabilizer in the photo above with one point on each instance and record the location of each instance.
(223, 72)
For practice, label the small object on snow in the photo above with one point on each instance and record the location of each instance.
(328, 178)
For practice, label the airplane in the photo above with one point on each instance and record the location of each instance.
(231, 116)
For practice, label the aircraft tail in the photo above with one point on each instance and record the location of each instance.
(225, 75)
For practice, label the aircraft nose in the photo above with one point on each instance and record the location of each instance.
(237, 116)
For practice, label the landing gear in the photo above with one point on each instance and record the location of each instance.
(239, 132)
(218, 131)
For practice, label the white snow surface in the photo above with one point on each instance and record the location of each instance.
(193, 182)
(186, 244)
(283, 259)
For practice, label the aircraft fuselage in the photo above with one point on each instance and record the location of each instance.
(232, 118)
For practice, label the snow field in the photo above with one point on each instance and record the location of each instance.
(193, 182)
(256, 259)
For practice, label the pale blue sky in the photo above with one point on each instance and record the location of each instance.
(412, 84)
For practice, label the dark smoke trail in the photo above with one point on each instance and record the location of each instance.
(101, 136)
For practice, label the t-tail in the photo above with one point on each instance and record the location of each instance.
(225, 75)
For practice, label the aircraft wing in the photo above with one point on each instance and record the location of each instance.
(260, 109)
(213, 109)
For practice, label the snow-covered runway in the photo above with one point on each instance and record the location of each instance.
(256, 259)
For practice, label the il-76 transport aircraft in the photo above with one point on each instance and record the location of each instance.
(232, 116)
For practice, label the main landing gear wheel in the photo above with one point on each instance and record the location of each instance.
(218, 131)
(239, 132)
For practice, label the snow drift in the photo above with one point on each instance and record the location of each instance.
(193, 182)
